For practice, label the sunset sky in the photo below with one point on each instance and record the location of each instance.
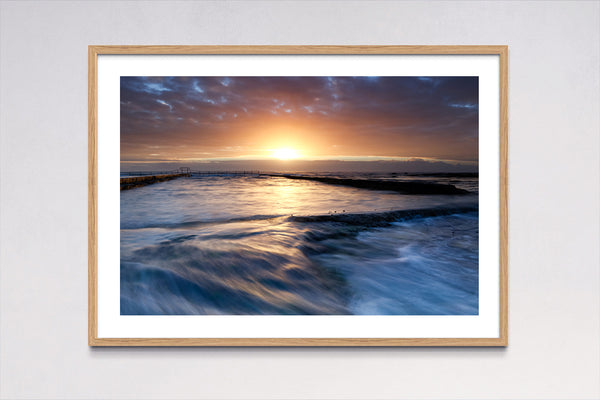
(186, 121)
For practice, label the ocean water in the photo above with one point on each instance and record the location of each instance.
(271, 245)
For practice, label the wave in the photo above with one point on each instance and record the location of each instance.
(180, 279)
(425, 266)
(194, 224)
(368, 219)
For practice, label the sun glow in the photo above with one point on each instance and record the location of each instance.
(285, 153)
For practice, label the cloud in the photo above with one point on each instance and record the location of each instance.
(165, 104)
(430, 117)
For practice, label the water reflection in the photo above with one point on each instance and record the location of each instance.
(225, 245)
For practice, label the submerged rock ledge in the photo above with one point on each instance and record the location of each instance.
(371, 184)
(139, 181)
(382, 219)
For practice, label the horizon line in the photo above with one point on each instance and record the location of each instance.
(365, 159)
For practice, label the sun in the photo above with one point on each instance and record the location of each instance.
(285, 153)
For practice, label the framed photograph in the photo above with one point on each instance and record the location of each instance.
(298, 195)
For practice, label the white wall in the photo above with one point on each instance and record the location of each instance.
(554, 204)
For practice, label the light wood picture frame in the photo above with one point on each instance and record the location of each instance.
(108, 64)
